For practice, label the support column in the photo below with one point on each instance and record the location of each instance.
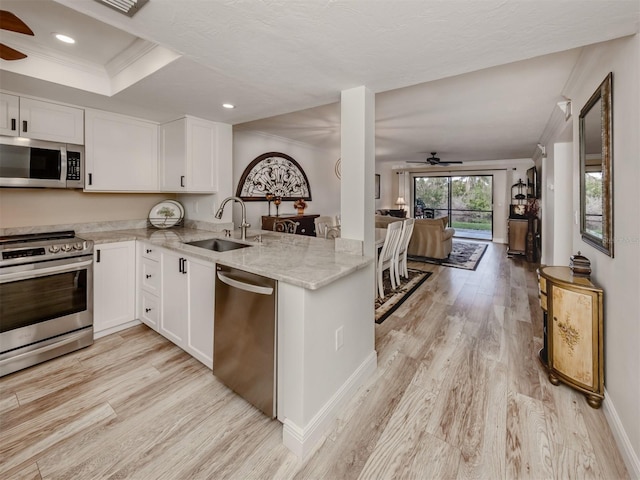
(357, 151)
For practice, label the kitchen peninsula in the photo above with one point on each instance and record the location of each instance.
(324, 354)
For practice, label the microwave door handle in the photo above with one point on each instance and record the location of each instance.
(63, 165)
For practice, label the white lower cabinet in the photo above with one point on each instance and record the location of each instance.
(201, 280)
(148, 287)
(173, 321)
(150, 310)
(113, 286)
(175, 295)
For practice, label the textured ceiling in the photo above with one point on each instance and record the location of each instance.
(494, 113)
(275, 57)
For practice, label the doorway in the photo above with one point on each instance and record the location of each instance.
(466, 200)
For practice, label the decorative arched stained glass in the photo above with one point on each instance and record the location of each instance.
(273, 173)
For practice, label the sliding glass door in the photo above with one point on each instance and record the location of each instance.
(466, 200)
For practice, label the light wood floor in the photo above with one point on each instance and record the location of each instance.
(458, 394)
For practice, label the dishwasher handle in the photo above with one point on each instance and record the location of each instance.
(248, 287)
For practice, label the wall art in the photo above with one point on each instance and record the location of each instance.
(276, 174)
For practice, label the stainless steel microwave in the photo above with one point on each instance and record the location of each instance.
(34, 163)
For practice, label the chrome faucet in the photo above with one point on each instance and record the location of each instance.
(243, 225)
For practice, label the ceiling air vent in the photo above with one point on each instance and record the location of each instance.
(127, 7)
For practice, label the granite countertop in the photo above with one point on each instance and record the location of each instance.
(308, 262)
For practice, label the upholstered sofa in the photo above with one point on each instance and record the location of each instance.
(431, 236)
(399, 213)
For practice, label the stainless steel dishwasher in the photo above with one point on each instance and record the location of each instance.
(244, 336)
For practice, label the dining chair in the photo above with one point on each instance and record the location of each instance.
(332, 231)
(285, 226)
(400, 262)
(321, 223)
(387, 255)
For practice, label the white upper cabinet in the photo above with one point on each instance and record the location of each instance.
(121, 153)
(190, 150)
(29, 118)
(9, 114)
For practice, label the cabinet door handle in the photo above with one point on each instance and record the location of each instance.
(97, 256)
(90, 179)
(147, 310)
(182, 180)
(149, 250)
(184, 265)
(13, 124)
(148, 276)
(24, 125)
(180, 265)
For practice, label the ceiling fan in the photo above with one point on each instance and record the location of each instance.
(8, 21)
(433, 160)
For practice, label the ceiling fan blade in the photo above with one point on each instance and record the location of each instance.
(8, 53)
(8, 21)
(452, 161)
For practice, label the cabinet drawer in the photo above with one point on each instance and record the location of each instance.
(150, 276)
(150, 251)
(543, 285)
(149, 310)
(543, 301)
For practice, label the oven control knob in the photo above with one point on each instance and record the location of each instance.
(79, 246)
(66, 247)
(54, 248)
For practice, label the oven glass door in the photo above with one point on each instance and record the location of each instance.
(43, 296)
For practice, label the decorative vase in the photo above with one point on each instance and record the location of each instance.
(277, 202)
(301, 211)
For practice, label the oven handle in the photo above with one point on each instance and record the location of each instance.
(39, 272)
(65, 341)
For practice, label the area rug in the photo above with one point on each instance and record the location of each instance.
(465, 255)
(394, 298)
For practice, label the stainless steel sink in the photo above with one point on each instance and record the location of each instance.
(218, 244)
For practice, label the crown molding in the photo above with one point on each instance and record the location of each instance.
(555, 125)
(36, 53)
(130, 55)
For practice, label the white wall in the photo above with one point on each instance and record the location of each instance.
(548, 208)
(388, 186)
(319, 166)
(563, 218)
(618, 276)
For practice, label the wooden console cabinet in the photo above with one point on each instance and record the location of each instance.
(517, 232)
(573, 314)
(306, 227)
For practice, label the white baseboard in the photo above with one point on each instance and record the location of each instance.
(624, 444)
(498, 240)
(117, 328)
(304, 440)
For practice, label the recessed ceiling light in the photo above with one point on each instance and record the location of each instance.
(64, 38)
(228, 105)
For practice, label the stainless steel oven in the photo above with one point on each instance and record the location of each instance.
(46, 297)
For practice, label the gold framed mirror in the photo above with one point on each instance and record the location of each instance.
(596, 168)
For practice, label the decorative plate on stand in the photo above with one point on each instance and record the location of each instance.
(166, 214)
